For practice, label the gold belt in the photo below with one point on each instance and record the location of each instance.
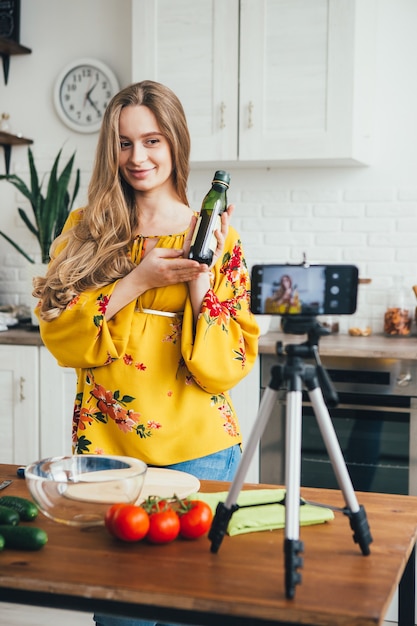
(164, 313)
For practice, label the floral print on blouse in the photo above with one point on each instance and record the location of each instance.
(149, 384)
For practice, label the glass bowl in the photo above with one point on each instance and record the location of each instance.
(77, 490)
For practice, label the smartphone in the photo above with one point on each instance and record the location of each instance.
(306, 290)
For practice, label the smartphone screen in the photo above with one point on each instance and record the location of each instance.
(304, 290)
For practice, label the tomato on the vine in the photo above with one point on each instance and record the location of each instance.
(110, 513)
(195, 519)
(164, 526)
(127, 522)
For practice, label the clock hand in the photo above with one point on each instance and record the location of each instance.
(89, 92)
(93, 104)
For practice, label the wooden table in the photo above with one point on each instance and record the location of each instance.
(241, 585)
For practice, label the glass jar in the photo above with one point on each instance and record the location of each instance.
(331, 323)
(397, 318)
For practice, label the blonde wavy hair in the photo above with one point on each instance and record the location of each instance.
(94, 252)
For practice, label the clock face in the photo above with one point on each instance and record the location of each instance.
(82, 93)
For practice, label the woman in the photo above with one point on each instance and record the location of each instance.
(285, 299)
(157, 339)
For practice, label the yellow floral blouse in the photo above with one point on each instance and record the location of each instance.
(147, 385)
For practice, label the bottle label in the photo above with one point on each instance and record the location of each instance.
(213, 241)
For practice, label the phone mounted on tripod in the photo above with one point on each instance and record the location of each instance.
(304, 290)
(295, 374)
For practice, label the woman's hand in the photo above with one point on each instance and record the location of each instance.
(222, 233)
(166, 266)
(199, 286)
(159, 268)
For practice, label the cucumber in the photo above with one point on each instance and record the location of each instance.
(2, 542)
(26, 508)
(23, 537)
(9, 516)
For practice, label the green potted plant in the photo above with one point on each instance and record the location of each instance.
(50, 211)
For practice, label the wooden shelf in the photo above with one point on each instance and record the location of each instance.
(7, 140)
(8, 47)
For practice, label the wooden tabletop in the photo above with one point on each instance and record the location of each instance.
(243, 584)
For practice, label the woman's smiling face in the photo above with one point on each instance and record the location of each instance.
(145, 160)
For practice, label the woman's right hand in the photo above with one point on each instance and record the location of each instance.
(166, 266)
(159, 267)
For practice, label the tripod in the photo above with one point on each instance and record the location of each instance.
(294, 373)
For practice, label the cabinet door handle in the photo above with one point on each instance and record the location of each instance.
(22, 388)
(250, 111)
(222, 117)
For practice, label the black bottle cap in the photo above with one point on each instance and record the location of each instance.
(222, 177)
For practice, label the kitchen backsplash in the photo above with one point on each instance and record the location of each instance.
(328, 214)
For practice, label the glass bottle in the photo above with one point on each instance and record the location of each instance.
(204, 243)
(360, 322)
(397, 318)
(4, 122)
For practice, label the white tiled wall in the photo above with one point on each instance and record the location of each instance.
(282, 214)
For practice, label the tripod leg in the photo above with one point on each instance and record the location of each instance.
(225, 510)
(292, 545)
(356, 513)
(265, 411)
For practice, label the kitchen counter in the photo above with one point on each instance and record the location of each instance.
(22, 336)
(374, 346)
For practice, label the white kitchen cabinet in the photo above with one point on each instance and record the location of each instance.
(19, 415)
(192, 47)
(264, 81)
(57, 394)
(306, 80)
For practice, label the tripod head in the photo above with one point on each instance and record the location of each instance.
(300, 325)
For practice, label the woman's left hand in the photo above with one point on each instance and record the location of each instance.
(200, 285)
(222, 233)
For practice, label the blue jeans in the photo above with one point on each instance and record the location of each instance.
(218, 466)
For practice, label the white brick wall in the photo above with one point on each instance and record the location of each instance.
(373, 228)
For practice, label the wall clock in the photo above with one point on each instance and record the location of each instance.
(81, 94)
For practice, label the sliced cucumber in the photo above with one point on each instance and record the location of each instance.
(26, 508)
(23, 537)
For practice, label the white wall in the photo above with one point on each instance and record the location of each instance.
(366, 216)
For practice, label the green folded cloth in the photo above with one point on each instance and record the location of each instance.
(266, 517)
